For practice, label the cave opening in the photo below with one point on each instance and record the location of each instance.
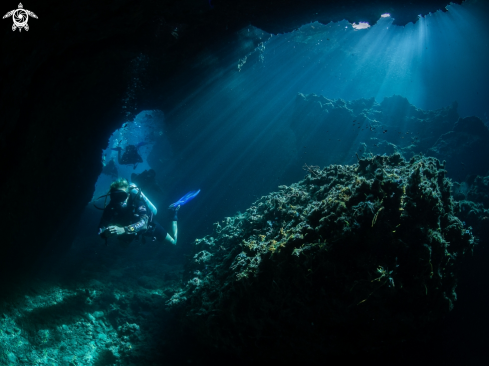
(257, 111)
(128, 150)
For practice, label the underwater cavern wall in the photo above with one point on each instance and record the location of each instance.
(64, 89)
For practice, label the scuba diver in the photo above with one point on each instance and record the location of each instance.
(129, 216)
(130, 156)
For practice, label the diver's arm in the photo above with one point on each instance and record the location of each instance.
(141, 224)
(136, 227)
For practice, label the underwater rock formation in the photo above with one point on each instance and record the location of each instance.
(475, 188)
(111, 312)
(394, 125)
(479, 190)
(110, 169)
(476, 219)
(354, 258)
(469, 139)
(473, 197)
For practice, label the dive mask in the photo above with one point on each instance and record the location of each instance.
(118, 196)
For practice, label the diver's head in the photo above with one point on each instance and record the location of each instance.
(119, 184)
(119, 192)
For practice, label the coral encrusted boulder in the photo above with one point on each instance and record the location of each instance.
(351, 259)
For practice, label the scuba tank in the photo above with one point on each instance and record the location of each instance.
(137, 192)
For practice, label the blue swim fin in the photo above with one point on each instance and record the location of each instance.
(189, 196)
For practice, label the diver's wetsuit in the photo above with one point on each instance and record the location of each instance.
(135, 218)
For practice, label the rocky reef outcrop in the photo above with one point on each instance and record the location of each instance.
(466, 148)
(353, 258)
(393, 125)
(473, 197)
(479, 190)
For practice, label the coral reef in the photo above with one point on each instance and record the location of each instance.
(355, 258)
